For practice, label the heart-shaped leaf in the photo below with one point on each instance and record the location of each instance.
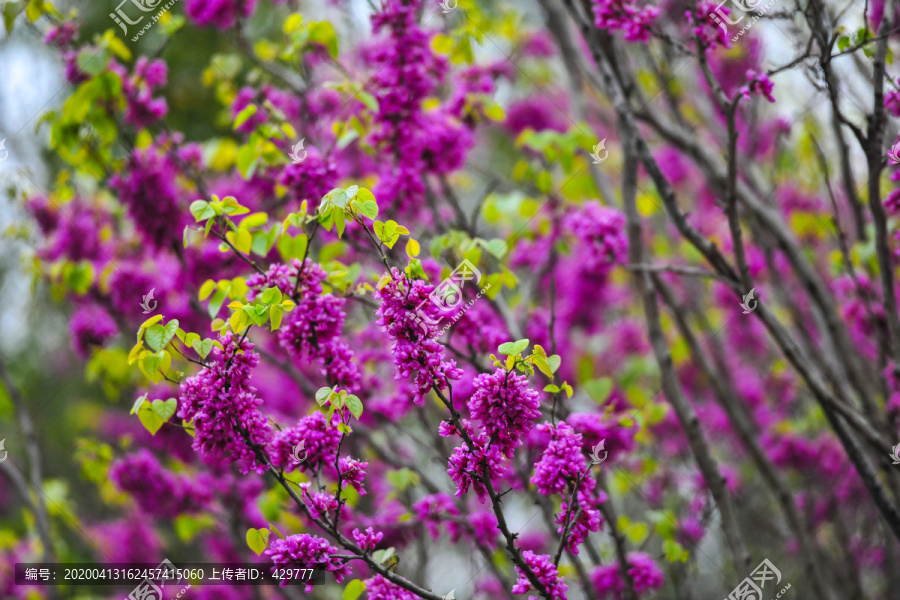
(257, 539)
(202, 348)
(158, 337)
(354, 590)
(138, 403)
(165, 409)
(322, 395)
(599, 389)
(554, 362)
(149, 419)
(355, 405)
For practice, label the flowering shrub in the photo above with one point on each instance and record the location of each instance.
(580, 292)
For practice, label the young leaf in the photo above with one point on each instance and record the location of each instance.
(512, 348)
(322, 395)
(257, 540)
(354, 590)
(149, 419)
(355, 406)
(165, 409)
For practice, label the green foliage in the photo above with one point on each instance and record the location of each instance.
(257, 540)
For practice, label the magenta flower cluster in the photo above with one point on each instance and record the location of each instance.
(412, 347)
(219, 400)
(307, 551)
(625, 16)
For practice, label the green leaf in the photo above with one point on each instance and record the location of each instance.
(599, 389)
(355, 405)
(554, 362)
(552, 388)
(202, 348)
(137, 404)
(165, 409)
(496, 247)
(245, 114)
(513, 348)
(674, 551)
(271, 296)
(149, 419)
(215, 304)
(158, 337)
(257, 540)
(383, 556)
(275, 314)
(353, 590)
(202, 210)
(339, 221)
(322, 395)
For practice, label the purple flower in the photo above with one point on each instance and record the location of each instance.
(432, 510)
(367, 540)
(147, 187)
(506, 406)
(601, 236)
(223, 406)
(546, 573)
(562, 462)
(159, 492)
(413, 348)
(320, 443)
(758, 84)
(142, 108)
(307, 551)
(486, 460)
(353, 472)
(309, 180)
(624, 15)
(379, 588)
(644, 572)
(91, 326)
(222, 14)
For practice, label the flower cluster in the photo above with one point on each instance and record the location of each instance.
(758, 84)
(623, 15)
(157, 491)
(434, 509)
(313, 328)
(645, 575)
(308, 551)
(353, 473)
(222, 14)
(315, 442)
(143, 109)
(547, 574)
(379, 588)
(413, 349)
(600, 231)
(506, 406)
(228, 425)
